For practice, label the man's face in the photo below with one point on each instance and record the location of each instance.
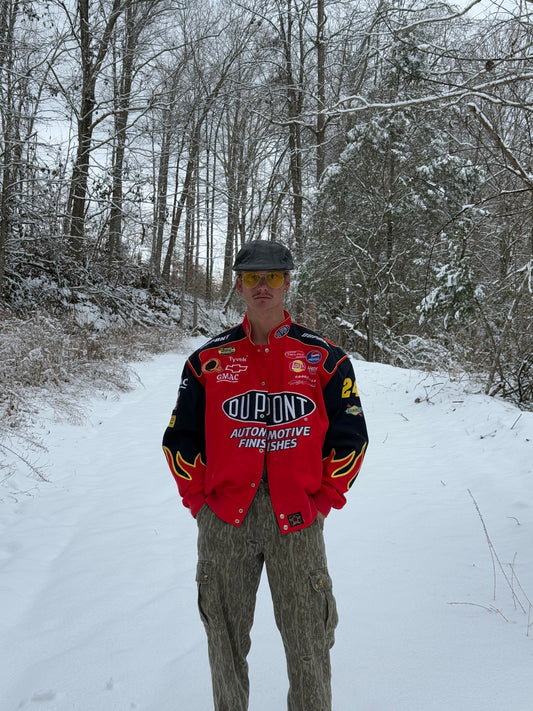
(263, 290)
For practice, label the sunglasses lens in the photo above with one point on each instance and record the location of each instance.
(274, 279)
(251, 279)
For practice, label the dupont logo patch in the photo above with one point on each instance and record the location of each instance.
(268, 408)
(295, 519)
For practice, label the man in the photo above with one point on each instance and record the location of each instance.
(266, 437)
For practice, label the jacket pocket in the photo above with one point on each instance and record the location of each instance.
(323, 586)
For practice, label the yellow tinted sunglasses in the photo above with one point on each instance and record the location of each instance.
(273, 279)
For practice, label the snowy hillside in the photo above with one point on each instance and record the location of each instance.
(97, 592)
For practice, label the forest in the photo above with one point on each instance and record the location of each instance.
(388, 142)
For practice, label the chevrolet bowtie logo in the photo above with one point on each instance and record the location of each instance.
(236, 368)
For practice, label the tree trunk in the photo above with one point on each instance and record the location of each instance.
(8, 15)
(321, 92)
(294, 84)
(90, 68)
(121, 122)
(178, 212)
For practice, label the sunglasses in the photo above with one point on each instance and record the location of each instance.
(273, 279)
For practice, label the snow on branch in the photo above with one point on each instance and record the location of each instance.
(360, 103)
(513, 161)
(444, 18)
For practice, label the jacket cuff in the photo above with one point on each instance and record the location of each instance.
(195, 503)
(322, 501)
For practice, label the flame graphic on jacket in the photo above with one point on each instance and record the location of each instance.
(181, 467)
(344, 466)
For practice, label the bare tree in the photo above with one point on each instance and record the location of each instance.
(93, 32)
(138, 15)
(26, 61)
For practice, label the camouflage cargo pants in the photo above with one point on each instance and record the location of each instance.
(230, 562)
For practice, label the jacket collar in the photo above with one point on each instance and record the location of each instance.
(281, 330)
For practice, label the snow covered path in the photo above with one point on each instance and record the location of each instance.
(97, 593)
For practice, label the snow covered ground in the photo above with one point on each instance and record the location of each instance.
(97, 592)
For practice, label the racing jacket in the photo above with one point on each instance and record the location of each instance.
(290, 407)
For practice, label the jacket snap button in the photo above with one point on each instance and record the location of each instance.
(282, 515)
(285, 527)
(241, 510)
(237, 520)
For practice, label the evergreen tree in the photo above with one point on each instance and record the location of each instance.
(395, 213)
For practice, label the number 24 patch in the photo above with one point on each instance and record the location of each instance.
(349, 387)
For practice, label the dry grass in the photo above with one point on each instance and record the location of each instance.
(50, 364)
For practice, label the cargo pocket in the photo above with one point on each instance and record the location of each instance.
(208, 599)
(323, 586)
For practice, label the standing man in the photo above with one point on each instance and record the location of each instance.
(266, 438)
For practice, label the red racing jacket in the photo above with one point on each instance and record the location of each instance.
(291, 405)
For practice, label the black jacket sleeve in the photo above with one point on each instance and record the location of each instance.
(346, 438)
(184, 440)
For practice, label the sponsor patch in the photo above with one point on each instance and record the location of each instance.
(314, 335)
(212, 366)
(172, 421)
(297, 366)
(353, 410)
(282, 331)
(268, 408)
(226, 350)
(236, 368)
(303, 379)
(217, 340)
(227, 378)
(294, 354)
(313, 357)
(295, 519)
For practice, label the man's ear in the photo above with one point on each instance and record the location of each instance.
(238, 284)
(287, 282)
